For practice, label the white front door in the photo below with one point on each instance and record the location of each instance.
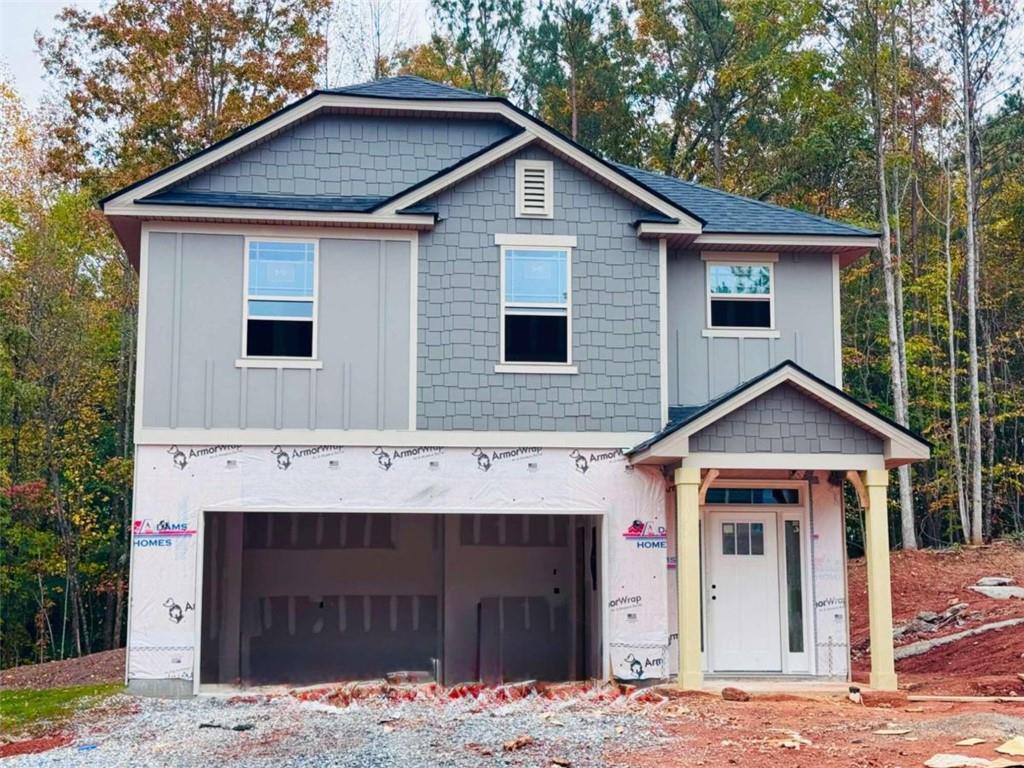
(742, 592)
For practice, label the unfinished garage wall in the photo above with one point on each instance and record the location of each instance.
(302, 597)
(175, 484)
(509, 585)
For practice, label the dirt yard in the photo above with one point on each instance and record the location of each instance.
(372, 724)
(930, 580)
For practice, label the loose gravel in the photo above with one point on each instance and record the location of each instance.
(287, 731)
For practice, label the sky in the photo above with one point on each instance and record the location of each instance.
(21, 19)
(19, 22)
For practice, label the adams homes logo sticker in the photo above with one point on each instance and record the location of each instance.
(159, 534)
(646, 534)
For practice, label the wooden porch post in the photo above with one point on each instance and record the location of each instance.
(876, 552)
(687, 483)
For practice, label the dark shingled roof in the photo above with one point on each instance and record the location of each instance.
(727, 213)
(681, 415)
(335, 203)
(719, 212)
(406, 87)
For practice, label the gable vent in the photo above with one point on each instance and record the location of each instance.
(533, 189)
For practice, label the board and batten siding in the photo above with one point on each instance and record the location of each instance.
(701, 367)
(614, 311)
(193, 304)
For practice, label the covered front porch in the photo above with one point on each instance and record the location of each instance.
(759, 531)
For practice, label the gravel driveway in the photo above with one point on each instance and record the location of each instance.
(285, 731)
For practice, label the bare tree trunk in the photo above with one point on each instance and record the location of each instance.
(990, 430)
(974, 442)
(907, 527)
(954, 418)
(899, 365)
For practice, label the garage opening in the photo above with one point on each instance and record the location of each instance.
(300, 598)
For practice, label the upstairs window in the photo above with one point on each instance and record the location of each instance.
(535, 309)
(740, 295)
(534, 196)
(280, 301)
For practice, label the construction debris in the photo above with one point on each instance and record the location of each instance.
(923, 646)
(995, 581)
(926, 622)
(956, 761)
(735, 694)
(514, 745)
(999, 593)
(1013, 747)
(892, 732)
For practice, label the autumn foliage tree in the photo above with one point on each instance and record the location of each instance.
(148, 82)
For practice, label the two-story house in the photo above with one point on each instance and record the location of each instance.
(425, 386)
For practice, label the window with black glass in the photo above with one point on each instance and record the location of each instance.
(739, 295)
(769, 496)
(280, 302)
(794, 587)
(535, 306)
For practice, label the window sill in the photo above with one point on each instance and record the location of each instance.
(740, 333)
(556, 368)
(277, 362)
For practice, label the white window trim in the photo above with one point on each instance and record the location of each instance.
(548, 167)
(279, 361)
(517, 366)
(739, 330)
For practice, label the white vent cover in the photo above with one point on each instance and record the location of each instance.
(533, 189)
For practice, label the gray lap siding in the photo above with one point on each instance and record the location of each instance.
(614, 311)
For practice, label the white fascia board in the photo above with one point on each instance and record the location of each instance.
(532, 130)
(656, 229)
(475, 165)
(396, 438)
(151, 211)
(808, 461)
(822, 241)
(539, 241)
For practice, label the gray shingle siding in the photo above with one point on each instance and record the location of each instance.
(334, 154)
(784, 421)
(614, 311)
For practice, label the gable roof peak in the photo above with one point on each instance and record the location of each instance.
(406, 87)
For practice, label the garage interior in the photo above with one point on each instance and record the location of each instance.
(298, 598)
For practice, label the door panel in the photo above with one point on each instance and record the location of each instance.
(743, 592)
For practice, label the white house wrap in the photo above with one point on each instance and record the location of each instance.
(178, 483)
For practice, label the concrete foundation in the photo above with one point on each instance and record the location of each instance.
(162, 689)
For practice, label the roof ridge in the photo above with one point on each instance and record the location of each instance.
(452, 89)
(753, 200)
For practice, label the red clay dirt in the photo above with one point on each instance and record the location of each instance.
(811, 733)
(94, 669)
(35, 746)
(933, 580)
